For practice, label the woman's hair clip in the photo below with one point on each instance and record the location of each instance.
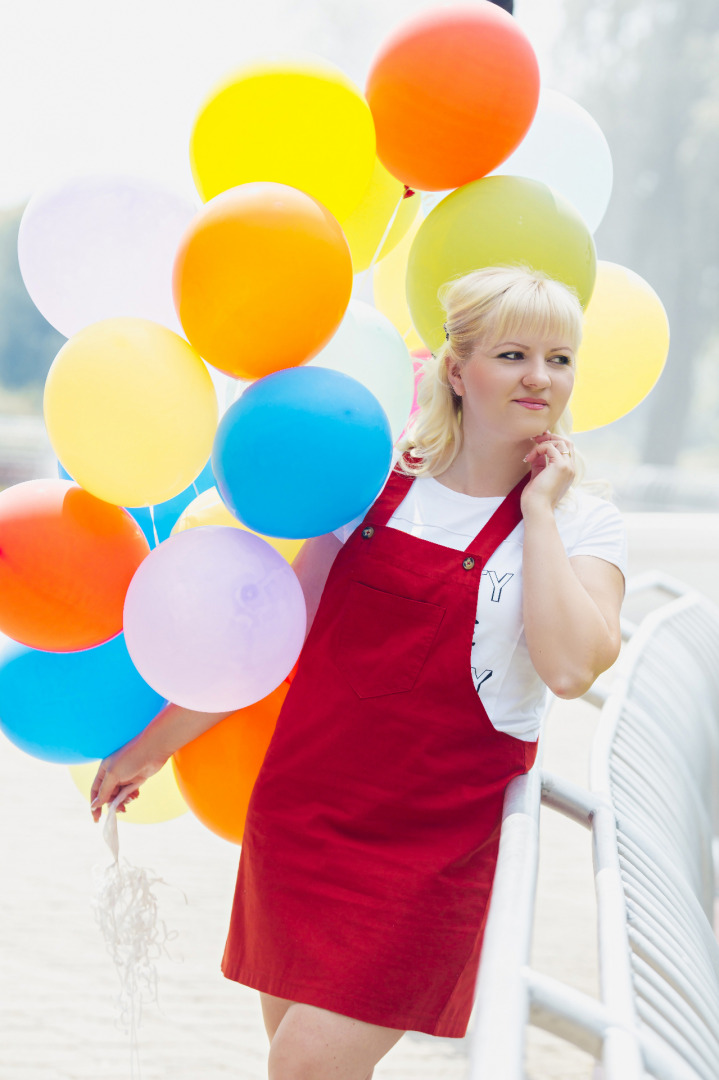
(446, 331)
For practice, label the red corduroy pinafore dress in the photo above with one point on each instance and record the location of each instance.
(373, 828)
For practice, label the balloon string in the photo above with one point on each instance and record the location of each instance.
(378, 249)
(154, 527)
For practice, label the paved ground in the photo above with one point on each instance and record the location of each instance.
(58, 987)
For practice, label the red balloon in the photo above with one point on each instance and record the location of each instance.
(452, 93)
(66, 560)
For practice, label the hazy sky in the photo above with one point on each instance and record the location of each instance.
(89, 86)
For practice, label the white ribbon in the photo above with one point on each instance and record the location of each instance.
(125, 909)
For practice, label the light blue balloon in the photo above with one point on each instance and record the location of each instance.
(165, 513)
(303, 451)
(74, 706)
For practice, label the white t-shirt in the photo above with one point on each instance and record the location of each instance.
(510, 689)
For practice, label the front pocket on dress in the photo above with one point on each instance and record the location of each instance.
(383, 640)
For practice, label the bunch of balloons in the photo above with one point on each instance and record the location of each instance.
(157, 568)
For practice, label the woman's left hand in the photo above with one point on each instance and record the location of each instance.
(552, 461)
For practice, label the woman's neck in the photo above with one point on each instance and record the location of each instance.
(487, 469)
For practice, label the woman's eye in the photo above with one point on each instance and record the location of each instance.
(561, 359)
(512, 355)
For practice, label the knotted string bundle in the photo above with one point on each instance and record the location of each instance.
(126, 911)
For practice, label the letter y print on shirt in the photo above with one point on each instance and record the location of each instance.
(498, 583)
(479, 679)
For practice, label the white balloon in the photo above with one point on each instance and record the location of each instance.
(430, 199)
(367, 347)
(98, 247)
(566, 149)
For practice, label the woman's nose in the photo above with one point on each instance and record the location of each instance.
(537, 375)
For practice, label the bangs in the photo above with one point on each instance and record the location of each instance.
(510, 304)
(528, 313)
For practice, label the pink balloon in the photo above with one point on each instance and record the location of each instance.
(418, 356)
(214, 619)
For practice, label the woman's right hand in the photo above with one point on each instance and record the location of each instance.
(133, 763)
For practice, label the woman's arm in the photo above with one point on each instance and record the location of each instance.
(571, 608)
(143, 756)
(312, 565)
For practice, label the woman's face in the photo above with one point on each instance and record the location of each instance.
(516, 388)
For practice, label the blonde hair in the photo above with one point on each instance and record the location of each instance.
(497, 303)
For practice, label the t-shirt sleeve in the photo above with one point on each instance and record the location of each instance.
(602, 534)
(345, 531)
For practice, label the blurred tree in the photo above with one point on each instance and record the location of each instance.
(28, 343)
(648, 71)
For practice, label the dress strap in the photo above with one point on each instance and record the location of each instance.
(392, 494)
(502, 522)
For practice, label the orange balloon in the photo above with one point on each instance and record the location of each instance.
(217, 771)
(452, 94)
(66, 560)
(262, 279)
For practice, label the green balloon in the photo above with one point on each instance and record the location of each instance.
(496, 221)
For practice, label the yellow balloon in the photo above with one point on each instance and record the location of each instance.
(302, 124)
(389, 280)
(131, 411)
(365, 227)
(496, 221)
(624, 348)
(159, 800)
(209, 509)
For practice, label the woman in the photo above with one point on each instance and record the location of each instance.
(373, 829)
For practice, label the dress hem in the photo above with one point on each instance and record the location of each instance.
(344, 1004)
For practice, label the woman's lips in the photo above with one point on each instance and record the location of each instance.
(532, 404)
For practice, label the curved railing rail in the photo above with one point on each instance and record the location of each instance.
(652, 807)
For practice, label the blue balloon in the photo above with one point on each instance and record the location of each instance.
(166, 513)
(74, 706)
(302, 452)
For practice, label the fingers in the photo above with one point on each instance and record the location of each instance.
(97, 786)
(107, 791)
(105, 788)
(545, 443)
(97, 782)
(123, 805)
(553, 471)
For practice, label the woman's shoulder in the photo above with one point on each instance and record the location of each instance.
(583, 499)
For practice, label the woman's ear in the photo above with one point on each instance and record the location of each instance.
(454, 376)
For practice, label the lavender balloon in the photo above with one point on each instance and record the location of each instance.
(100, 246)
(216, 617)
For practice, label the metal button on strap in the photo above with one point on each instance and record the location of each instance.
(368, 532)
(468, 563)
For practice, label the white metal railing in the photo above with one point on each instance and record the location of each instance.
(653, 810)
